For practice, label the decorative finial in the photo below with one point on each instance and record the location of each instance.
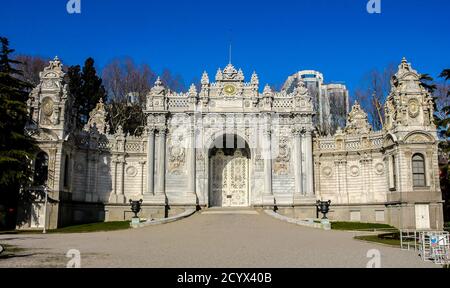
(255, 79)
(193, 90)
(219, 75)
(158, 82)
(267, 90)
(205, 78)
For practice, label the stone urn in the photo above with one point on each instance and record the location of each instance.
(324, 207)
(136, 207)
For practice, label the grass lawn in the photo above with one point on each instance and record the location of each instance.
(86, 228)
(94, 227)
(352, 226)
(392, 239)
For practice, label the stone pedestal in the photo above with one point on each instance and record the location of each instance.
(135, 222)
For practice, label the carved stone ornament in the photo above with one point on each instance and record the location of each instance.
(357, 122)
(131, 171)
(177, 155)
(413, 108)
(79, 167)
(327, 171)
(283, 159)
(47, 111)
(354, 171)
(379, 168)
(97, 119)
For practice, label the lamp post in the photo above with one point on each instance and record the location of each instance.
(45, 210)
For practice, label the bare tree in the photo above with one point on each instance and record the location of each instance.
(373, 93)
(31, 67)
(173, 82)
(127, 86)
(442, 100)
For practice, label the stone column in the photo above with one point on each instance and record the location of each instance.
(268, 198)
(150, 163)
(142, 162)
(161, 168)
(309, 164)
(298, 163)
(113, 197)
(191, 164)
(121, 196)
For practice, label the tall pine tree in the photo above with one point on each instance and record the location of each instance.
(16, 148)
(87, 89)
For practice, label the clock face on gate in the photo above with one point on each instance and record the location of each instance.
(229, 89)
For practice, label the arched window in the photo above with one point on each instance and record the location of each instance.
(41, 169)
(418, 169)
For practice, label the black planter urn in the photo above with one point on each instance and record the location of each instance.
(136, 207)
(324, 207)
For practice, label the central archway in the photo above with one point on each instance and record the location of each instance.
(229, 159)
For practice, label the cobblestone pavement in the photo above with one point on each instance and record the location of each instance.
(238, 240)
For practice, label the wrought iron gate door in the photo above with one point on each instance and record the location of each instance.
(230, 180)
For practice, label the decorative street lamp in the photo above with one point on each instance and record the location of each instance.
(324, 208)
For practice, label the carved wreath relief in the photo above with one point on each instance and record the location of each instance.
(414, 108)
(283, 159)
(177, 155)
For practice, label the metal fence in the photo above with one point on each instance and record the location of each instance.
(432, 246)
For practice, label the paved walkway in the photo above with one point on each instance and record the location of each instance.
(253, 240)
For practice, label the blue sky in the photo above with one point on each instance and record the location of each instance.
(275, 38)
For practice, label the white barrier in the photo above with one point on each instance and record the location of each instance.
(433, 246)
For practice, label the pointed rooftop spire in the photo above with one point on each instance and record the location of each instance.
(205, 78)
(158, 82)
(255, 79)
(267, 90)
(193, 90)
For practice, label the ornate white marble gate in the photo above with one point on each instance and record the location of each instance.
(229, 175)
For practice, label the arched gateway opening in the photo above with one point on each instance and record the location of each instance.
(229, 172)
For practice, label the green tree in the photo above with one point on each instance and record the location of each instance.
(86, 88)
(443, 123)
(16, 148)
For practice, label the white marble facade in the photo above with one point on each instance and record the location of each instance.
(228, 145)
